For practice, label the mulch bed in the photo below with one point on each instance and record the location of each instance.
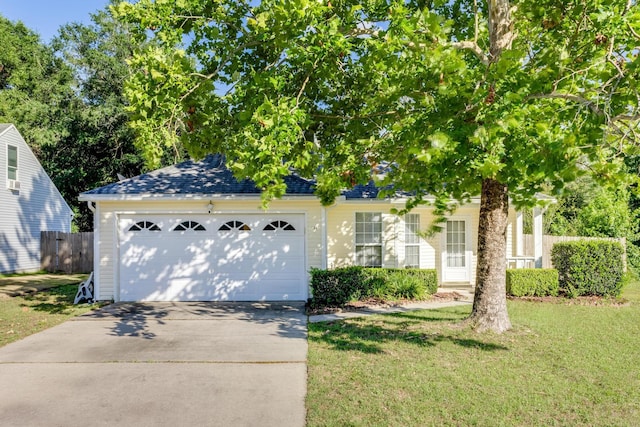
(585, 300)
(373, 303)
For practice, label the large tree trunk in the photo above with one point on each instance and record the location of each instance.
(490, 301)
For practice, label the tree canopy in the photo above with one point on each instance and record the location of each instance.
(456, 98)
(35, 85)
(67, 100)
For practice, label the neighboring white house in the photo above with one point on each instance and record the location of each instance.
(193, 232)
(29, 203)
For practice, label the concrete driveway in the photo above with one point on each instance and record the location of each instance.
(161, 364)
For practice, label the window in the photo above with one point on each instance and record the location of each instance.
(12, 162)
(411, 241)
(234, 225)
(189, 225)
(144, 225)
(456, 243)
(369, 239)
(279, 225)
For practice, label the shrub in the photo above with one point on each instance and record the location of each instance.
(336, 287)
(589, 267)
(536, 282)
(633, 258)
(342, 285)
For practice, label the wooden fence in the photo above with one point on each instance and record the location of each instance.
(66, 252)
(549, 241)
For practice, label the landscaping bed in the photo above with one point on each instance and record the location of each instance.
(374, 303)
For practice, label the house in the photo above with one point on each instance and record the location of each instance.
(193, 232)
(30, 203)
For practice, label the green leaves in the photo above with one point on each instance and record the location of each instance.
(330, 89)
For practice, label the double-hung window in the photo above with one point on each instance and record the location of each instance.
(12, 162)
(411, 241)
(369, 239)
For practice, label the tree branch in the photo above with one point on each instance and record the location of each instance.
(626, 117)
(355, 117)
(217, 70)
(306, 80)
(636, 35)
(473, 47)
(568, 97)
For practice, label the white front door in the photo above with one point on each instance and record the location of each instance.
(456, 256)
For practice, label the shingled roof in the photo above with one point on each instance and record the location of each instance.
(208, 177)
(205, 177)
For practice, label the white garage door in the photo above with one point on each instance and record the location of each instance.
(212, 258)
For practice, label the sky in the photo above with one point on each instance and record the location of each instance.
(46, 16)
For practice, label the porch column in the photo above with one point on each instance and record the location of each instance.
(519, 235)
(537, 236)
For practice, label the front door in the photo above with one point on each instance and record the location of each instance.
(456, 257)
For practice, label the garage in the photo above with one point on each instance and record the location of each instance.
(216, 257)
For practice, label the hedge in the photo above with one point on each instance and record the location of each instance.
(536, 282)
(589, 267)
(335, 288)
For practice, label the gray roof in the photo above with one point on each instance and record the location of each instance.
(210, 176)
(207, 177)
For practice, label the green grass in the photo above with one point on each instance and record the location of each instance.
(560, 365)
(21, 316)
(33, 273)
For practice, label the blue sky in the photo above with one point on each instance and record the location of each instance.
(46, 16)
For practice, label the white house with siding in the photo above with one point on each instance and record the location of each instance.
(29, 203)
(192, 232)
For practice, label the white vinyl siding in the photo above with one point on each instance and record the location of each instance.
(369, 239)
(36, 207)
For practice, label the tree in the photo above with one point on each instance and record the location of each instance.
(498, 98)
(98, 143)
(589, 209)
(35, 85)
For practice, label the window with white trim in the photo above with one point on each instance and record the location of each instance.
(189, 225)
(234, 226)
(369, 239)
(279, 225)
(12, 162)
(412, 241)
(456, 243)
(144, 225)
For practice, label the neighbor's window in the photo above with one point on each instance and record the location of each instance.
(12, 162)
(411, 241)
(369, 239)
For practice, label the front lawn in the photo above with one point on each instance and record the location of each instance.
(560, 365)
(24, 315)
